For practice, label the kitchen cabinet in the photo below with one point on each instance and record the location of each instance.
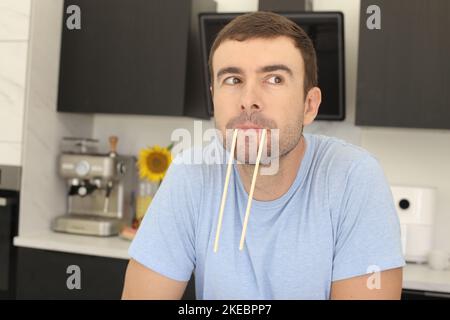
(9, 216)
(195, 101)
(424, 295)
(43, 274)
(403, 68)
(282, 5)
(132, 57)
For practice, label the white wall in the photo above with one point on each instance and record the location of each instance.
(14, 25)
(43, 192)
(136, 132)
(417, 157)
(237, 5)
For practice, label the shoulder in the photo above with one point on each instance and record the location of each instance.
(337, 151)
(345, 169)
(339, 159)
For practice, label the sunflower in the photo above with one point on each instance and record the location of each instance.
(154, 162)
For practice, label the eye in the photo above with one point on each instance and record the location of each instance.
(232, 80)
(275, 80)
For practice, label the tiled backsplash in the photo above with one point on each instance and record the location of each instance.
(15, 18)
(14, 25)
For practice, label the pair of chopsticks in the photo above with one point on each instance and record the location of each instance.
(250, 195)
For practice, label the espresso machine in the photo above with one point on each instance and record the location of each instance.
(100, 190)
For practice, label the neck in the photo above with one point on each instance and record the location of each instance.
(272, 187)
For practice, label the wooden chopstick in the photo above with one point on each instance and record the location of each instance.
(252, 189)
(225, 189)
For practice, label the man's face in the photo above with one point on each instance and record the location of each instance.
(258, 83)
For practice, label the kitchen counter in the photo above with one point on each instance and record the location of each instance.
(421, 277)
(111, 247)
(415, 276)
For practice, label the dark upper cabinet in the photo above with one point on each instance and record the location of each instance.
(196, 103)
(404, 68)
(282, 5)
(129, 57)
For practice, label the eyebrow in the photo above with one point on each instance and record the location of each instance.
(265, 69)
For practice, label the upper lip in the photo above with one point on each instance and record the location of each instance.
(248, 125)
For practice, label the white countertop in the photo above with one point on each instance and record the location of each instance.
(422, 277)
(111, 247)
(415, 276)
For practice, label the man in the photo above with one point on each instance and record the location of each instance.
(323, 226)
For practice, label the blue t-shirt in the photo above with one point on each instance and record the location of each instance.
(336, 221)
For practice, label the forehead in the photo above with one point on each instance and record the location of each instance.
(257, 52)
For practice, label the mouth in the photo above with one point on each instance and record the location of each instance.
(248, 126)
(250, 134)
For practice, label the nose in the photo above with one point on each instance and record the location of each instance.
(250, 99)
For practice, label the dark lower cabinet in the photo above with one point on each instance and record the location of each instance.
(43, 274)
(424, 295)
(9, 216)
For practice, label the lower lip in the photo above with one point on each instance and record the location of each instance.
(251, 131)
(247, 129)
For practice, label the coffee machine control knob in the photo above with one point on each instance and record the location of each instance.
(82, 191)
(121, 168)
(82, 168)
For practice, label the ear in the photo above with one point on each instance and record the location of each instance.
(312, 103)
(211, 90)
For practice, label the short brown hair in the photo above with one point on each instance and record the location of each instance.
(262, 24)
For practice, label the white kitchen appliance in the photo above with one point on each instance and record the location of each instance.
(416, 208)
